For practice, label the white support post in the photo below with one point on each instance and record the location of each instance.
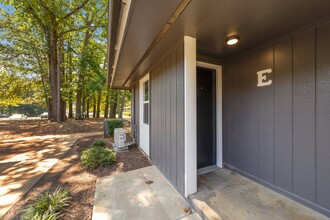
(190, 116)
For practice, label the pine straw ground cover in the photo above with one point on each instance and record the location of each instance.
(70, 174)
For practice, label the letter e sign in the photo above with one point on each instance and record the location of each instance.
(262, 78)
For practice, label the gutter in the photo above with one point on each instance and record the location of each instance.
(118, 15)
(118, 29)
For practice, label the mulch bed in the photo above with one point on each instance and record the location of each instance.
(69, 173)
(11, 129)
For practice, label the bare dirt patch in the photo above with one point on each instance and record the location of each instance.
(68, 171)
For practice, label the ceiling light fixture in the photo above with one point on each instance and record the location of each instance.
(232, 40)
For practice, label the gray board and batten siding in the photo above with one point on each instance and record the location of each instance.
(280, 134)
(167, 119)
(166, 116)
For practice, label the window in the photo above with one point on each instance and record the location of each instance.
(145, 102)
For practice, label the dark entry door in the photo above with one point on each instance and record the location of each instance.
(206, 117)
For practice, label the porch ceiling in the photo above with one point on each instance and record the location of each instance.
(211, 22)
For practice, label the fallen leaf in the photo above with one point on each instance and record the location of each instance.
(188, 210)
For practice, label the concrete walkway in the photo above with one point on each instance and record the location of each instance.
(140, 195)
(223, 194)
(23, 170)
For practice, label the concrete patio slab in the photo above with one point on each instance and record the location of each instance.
(223, 194)
(24, 170)
(139, 194)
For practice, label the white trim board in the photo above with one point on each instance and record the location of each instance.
(219, 147)
(207, 169)
(144, 128)
(190, 114)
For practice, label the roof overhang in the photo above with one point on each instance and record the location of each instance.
(114, 15)
(152, 27)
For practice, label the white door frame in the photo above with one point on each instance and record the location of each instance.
(144, 128)
(190, 114)
(219, 148)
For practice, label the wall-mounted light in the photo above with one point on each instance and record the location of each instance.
(232, 40)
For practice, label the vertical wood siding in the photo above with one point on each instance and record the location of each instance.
(167, 125)
(283, 115)
(304, 115)
(323, 116)
(280, 133)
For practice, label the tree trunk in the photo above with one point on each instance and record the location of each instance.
(54, 75)
(79, 97)
(118, 104)
(94, 107)
(106, 105)
(70, 107)
(70, 81)
(121, 104)
(87, 108)
(60, 79)
(83, 106)
(98, 104)
(49, 107)
(63, 112)
(113, 107)
(79, 105)
(113, 104)
(106, 108)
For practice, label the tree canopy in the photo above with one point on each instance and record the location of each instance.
(54, 52)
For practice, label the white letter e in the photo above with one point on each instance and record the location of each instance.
(262, 78)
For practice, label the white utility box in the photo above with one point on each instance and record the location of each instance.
(120, 139)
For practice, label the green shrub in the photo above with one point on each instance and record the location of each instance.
(48, 206)
(99, 143)
(114, 123)
(97, 157)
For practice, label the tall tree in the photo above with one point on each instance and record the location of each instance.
(56, 20)
(45, 39)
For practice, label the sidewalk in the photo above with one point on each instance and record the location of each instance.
(139, 194)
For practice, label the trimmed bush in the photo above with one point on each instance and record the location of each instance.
(99, 143)
(111, 124)
(48, 206)
(97, 156)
